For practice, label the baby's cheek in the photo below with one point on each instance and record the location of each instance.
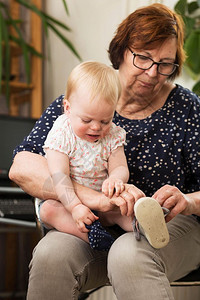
(106, 130)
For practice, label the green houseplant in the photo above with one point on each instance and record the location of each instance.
(190, 12)
(7, 39)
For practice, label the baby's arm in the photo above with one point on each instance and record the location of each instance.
(118, 173)
(58, 164)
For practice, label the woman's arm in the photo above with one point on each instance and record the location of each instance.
(193, 204)
(30, 172)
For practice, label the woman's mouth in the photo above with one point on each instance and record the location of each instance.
(146, 84)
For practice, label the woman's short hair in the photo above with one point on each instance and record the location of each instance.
(144, 29)
(100, 80)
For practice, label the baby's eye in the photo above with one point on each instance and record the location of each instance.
(85, 121)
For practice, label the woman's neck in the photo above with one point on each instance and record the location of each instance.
(139, 108)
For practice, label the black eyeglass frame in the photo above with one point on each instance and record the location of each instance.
(153, 63)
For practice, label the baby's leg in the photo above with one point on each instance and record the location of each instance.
(111, 218)
(54, 215)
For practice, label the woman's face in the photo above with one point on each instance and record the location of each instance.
(137, 83)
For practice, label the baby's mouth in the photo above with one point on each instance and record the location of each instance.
(94, 136)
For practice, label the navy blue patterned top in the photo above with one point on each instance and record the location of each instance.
(163, 148)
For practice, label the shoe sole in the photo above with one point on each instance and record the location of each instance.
(150, 217)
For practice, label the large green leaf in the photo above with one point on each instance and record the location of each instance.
(189, 25)
(192, 7)
(181, 7)
(191, 17)
(196, 88)
(192, 47)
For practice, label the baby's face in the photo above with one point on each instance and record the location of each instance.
(90, 120)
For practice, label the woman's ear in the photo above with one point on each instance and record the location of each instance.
(66, 106)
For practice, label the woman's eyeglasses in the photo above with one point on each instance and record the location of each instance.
(145, 63)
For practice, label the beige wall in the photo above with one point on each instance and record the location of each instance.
(93, 24)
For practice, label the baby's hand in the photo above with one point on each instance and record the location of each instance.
(83, 215)
(112, 186)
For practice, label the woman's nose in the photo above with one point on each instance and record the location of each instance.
(153, 71)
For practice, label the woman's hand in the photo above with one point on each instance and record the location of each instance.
(127, 199)
(173, 199)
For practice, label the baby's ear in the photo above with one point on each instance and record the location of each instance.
(66, 106)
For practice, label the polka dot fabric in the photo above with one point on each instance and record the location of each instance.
(35, 140)
(161, 149)
(99, 238)
(164, 148)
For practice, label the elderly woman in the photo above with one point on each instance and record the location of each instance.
(162, 121)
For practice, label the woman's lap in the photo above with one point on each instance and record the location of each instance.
(148, 271)
(63, 265)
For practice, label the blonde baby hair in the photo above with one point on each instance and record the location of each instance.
(100, 79)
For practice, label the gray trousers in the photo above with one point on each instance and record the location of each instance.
(63, 265)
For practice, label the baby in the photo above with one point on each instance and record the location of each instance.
(84, 145)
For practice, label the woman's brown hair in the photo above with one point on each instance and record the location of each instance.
(145, 28)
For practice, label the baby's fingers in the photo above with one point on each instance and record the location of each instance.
(93, 217)
(111, 188)
(105, 189)
(90, 218)
(108, 189)
(81, 227)
(119, 188)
